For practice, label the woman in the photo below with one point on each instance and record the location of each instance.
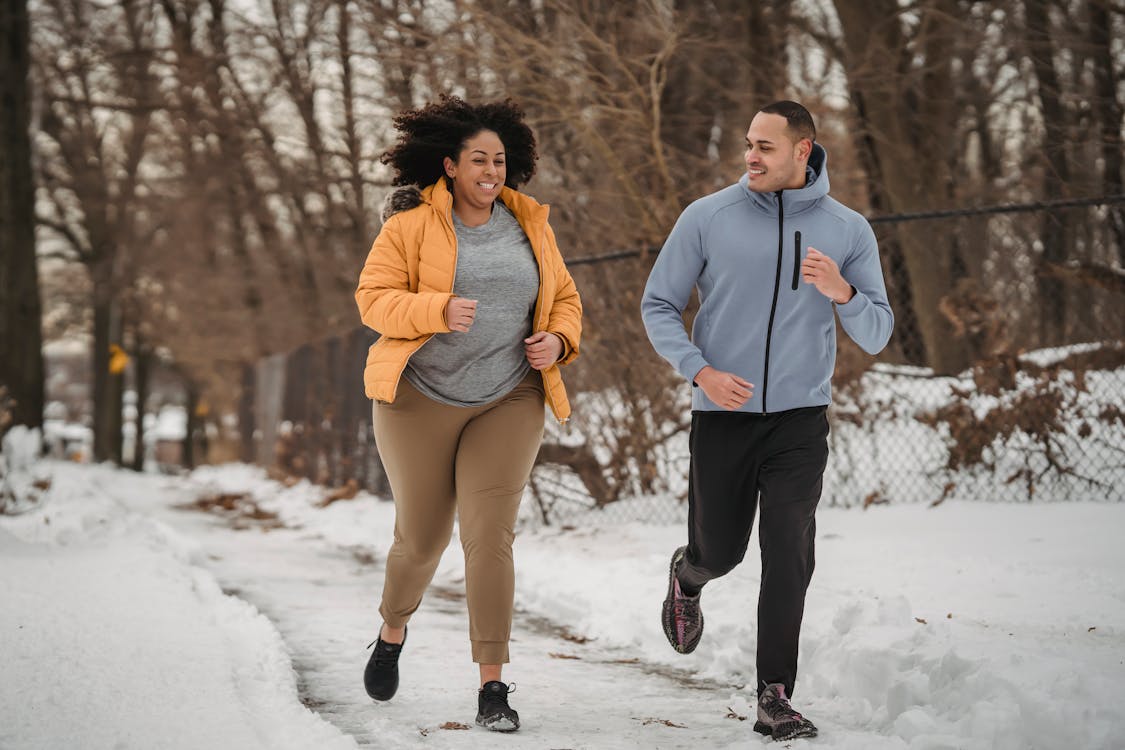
(477, 311)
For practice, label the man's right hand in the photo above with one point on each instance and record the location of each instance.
(459, 313)
(723, 388)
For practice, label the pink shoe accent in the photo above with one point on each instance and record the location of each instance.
(679, 619)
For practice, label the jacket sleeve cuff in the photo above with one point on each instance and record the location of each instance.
(691, 365)
(435, 313)
(855, 306)
(565, 346)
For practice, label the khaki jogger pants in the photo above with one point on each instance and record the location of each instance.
(472, 460)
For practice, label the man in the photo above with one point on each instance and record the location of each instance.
(760, 360)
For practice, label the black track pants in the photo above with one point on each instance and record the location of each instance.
(738, 462)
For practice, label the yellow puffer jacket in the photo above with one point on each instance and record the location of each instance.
(408, 280)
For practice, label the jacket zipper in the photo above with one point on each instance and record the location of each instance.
(452, 231)
(776, 288)
(796, 258)
(541, 323)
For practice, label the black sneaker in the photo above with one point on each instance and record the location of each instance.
(778, 719)
(380, 678)
(681, 617)
(493, 711)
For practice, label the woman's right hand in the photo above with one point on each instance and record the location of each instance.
(459, 313)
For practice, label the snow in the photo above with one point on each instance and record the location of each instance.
(21, 478)
(889, 453)
(68, 440)
(1008, 595)
(112, 638)
(171, 424)
(78, 346)
(969, 625)
(1052, 355)
(20, 448)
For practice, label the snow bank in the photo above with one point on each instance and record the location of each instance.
(113, 639)
(363, 524)
(20, 448)
(973, 626)
(22, 480)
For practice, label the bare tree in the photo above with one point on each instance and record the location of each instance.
(900, 72)
(1058, 129)
(215, 168)
(93, 66)
(1107, 22)
(642, 111)
(283, 127)
(984, 103)
(21, 357)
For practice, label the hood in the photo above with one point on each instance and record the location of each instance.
(401, 199)
(816, 186)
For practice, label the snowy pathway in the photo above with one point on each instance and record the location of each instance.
(975, 626)
(323, 601)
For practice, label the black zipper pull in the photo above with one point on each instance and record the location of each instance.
(796, 258)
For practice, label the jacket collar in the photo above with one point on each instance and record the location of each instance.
(529, 212)
(798, 199)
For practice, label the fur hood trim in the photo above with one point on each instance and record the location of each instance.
(401, 199)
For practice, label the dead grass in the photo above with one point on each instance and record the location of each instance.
(238, 508)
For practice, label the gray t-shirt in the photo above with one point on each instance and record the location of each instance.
(495, 266)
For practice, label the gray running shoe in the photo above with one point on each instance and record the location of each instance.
(681, 616)
(778, 719)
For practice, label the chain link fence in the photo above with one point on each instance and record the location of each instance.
(1010, 390)
(1033, 413)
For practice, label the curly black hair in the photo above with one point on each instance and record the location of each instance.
(429, 134)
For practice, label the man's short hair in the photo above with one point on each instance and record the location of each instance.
(800, 122)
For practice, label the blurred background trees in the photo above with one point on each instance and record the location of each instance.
(212, 167)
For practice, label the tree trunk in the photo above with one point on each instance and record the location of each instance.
(142, 361)
(1052, 296)
(108, 386)
(1110, 115)
(191, 427)
(246, 422)
(899, 108)
(717, 80)
(21, 351)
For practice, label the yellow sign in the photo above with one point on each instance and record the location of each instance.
(118, 359)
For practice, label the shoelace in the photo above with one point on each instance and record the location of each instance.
(684, 607)
(778, 708)
(386, 657)
(500, 698)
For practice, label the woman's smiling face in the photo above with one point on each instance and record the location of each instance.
(479, 172)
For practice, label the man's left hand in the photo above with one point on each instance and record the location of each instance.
(817, 268)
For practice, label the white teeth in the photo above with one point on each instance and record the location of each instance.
(487, 185)
(757, 171)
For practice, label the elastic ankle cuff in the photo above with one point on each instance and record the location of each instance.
(391, 620)
(490, 652)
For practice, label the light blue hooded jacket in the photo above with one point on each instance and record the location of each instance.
(757, 318)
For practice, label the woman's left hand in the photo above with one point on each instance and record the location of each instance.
(543, 349)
